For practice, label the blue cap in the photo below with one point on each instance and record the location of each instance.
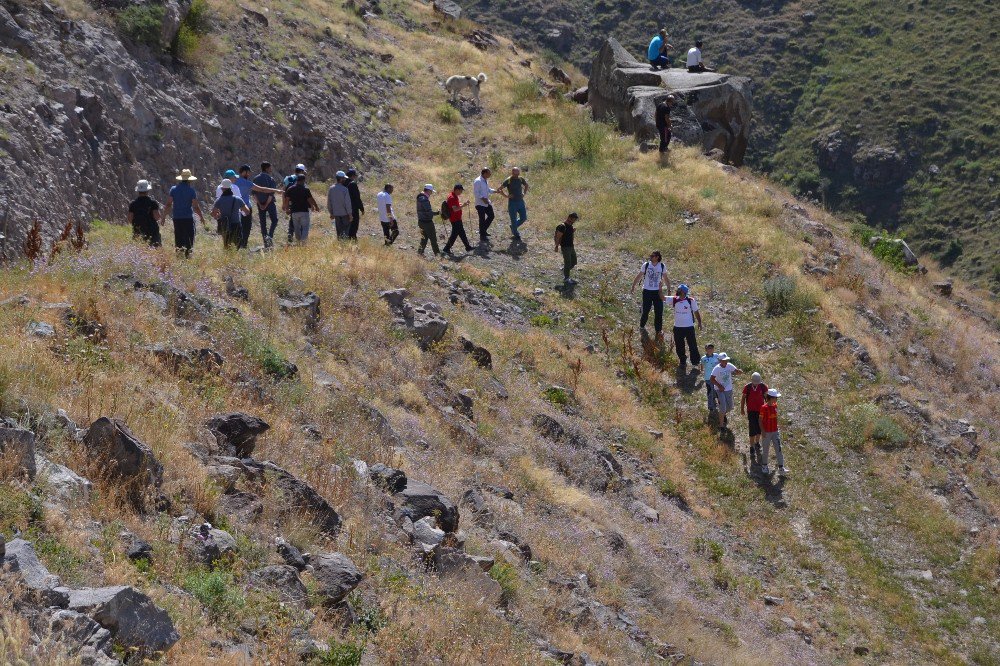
(683, 288)
(230, 174)
(341, 174)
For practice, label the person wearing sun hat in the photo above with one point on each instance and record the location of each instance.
(769, 426)
(182, 202)
(144, 215)
(425, 220)
(229, 210)
(229, 175)
(722, 382)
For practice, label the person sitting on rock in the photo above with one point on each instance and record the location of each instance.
(663, 124)
(657, 52)
(694, 61)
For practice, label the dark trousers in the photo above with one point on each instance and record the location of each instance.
(148, 233)
(246, 224)
(485, 219)
(699, 68)
(352, 231)
(569, 260)
(684, 334)
(457, 231)
(262, 214)
(661, 61)
(184, 234)
(651, 299)
(428, 233)
(391, 231)
(665, 135)
(232, 235)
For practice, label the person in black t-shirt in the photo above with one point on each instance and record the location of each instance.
(299, 202)
(663, 125)
(144, 215)
(564, 241)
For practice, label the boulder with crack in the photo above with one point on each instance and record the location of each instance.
(419, 500)
(124, 457)
(236, 433)
(135, 622)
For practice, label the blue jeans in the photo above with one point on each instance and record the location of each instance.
(661, 61)
(518, 214)
(262, 214)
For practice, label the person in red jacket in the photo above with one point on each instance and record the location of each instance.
(455, 207)
(753, 399)
(769, 425)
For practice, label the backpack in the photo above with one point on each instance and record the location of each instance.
(231, 219)
(445, 211)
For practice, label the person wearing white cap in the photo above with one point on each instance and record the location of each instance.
(229, 210)
(685, 313)
(144, 215)
(425, 220)
(769, 425)
(338, 204)
(750, 403)
(722, 382)
(299, 202)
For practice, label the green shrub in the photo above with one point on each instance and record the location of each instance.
(506, 575)
(866, 422)
(141, 24)
(532, 121)
(779, 294)
(586, 142)
(542, 321)
(526, 91)
(713, 550)
(340, 654)
(196, 24)
(668, 488)
(496, 160)
(448, 114)
(216, 591)
(553, 155)
(557, 395)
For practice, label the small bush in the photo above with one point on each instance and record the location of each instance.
(556, 395)
(526, 91)
(448, 114)
(141, 24)
(586, 142)
(713, 550)
(532, 121)
(506, 575)
(866, 422)
(668, 488)
(553, 156)
(542, 321)
(216, 591)
(779, 294)
(188, 42)
(340, 654)
(496, 160)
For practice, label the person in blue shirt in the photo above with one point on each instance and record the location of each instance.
(657, 53)
(708, 363)
(265, 188)
(182, 201)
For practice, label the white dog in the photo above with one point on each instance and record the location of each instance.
(456, 84)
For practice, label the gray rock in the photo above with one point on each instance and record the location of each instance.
(298, 497)
(449, 8)
(943, 288)
(481, 355)
(580, 95)
(390, 478)
(236, 433)
(305, 305)
(138, 549)
(559, 75)
(290, 554)
(234, 290)
(61, 482)
(207, 545)
(3, 547)
(134, 621)
(426, 532)
(394, 297)
(79, 631)
(645, 512)
(281, 579)
(713, 110)
(18, 444)
(239, 507)
(419, 500)
(20, 556)
(336, 576)
(123, 455)
(11, 34)
(41, 329)
(196, 359)
(158, 303)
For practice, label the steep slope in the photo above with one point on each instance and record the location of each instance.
(621, 526)
(870, 106)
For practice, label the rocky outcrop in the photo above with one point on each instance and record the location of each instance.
(135, 622)
(713, 110)
(123, 457)
(18, 445)
(236, 433)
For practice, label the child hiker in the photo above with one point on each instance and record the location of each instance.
(769, 426)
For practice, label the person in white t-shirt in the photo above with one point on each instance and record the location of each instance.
(722, 382)
(481, 192)
(685, 314)
(387, 215)
(694, 61)
(653, 275)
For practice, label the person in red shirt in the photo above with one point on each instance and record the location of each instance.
(455, 207)
(769, 425)
(750, 404)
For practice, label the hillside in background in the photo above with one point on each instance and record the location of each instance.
(489, 467)
(872, 106)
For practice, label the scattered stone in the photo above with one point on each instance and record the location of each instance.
(393, 480)
(336, 576)
(306, 305)
(197, 359)
(41, 329)
(645, 512)
(580, 95)
(481, 355)
(326, 380)
(296, 495)
(788, 622)
(426, 532)
(281, 579)
(20, 557)
(134, 621)
(61, 482)
(207, 545)
(920, 574)
(236, 433)
(234, 290)
(121, 453)
(559, 75)
(18, 445)
(423, 321)
(138, 549)
(861, 650)
(482, 40)
(419, 500)
(449, 8)
(773, 601)
(943, 288)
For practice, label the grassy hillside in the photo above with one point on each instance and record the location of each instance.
(878, 107)
(879, 494)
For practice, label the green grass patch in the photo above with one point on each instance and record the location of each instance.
(506, 575)
(866, 423)
(448, 114)
(217, 591)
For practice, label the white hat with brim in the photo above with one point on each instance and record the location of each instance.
(429, 187)
(723, 356)
(186, 175)
(143, 186)
(226, 184)
(773, 393)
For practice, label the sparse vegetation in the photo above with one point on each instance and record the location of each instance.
(141, 24)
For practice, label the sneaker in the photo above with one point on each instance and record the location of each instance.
(570, 281)
(784, 471)
(765, 470)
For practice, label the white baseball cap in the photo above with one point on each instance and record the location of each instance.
(773, 393)
(723, 356)
(430, 187)
(143, 186)
(226, 184)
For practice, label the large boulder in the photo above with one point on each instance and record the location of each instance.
(18, 445)
(336, 576)
(62, 483)
(236, 433)
(135, 622)
(282, 580)
(419, 500)
(47, 588)
(122, 455)
(78, 632)
(713, 110)
(296, 496)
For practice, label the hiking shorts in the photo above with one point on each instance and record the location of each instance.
(725, 400)
(753, 419)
